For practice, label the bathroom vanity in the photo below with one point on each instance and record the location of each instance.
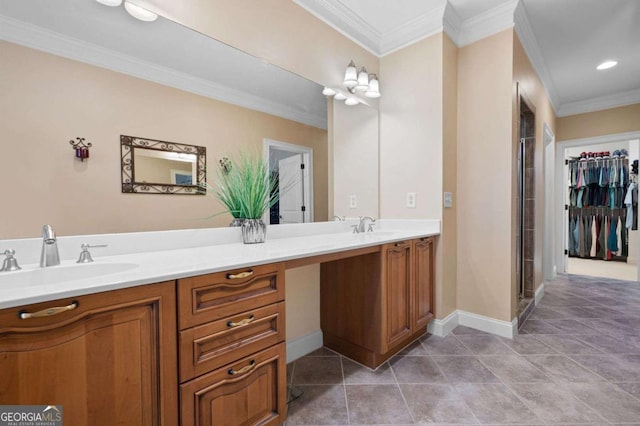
(208, 346)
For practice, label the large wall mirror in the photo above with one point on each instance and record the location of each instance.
(79, 68)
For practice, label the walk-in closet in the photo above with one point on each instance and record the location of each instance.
(601, 207)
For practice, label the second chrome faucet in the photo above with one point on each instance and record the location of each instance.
(360, 227)
(49, 255)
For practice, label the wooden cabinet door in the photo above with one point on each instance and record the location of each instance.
(397, 278)
(251, 391)
(108, 360)
(423, 281)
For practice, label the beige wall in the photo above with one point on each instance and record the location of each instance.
(447, 292)
(607, 122)
(279, 31)
(531, 87)
(411, 131)
(484, 183)
(355, 159)
(302, 290)
(48, 100)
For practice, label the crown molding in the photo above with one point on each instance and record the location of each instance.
(345, 21)
(416, 29)
(599, 103)
(487, 23)
(532, 49)
(24, 34)
(452, 23)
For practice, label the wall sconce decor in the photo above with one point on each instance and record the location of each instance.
(355, 81)
(81, 148)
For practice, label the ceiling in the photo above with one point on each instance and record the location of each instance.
(90, 32)
(564, 39)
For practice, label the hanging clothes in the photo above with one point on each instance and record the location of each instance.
(602, 205)
(619, 237)
(613, 239)
(594, 237)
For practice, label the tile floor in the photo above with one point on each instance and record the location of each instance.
(576, 361)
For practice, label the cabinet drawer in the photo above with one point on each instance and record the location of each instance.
(207, 298)
(248, 392)
(207, 347)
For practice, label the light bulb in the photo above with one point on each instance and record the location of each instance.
(374, 87)
(340, 96)
(350, 76)
(606, 65)
(363, 80)
(112, 3)
(328, 91)
(139, 12)
(351, 101)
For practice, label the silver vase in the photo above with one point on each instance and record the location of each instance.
(253, 231)
(236, 222)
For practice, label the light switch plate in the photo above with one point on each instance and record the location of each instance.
(411, 200)
(353, 201)
(448, 200)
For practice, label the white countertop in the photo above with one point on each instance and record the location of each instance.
(142, 258)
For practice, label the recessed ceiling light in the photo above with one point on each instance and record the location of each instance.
(606, 65)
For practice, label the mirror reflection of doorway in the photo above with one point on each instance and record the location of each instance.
(292, 166)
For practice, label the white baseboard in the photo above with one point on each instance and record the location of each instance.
(444, 326)
(539, 293)
(304, 345)
(479, 322)
(488, 324)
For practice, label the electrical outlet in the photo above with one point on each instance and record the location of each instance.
(353, 201)
(448, 200)
(411, 200)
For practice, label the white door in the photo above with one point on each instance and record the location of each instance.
(291, 186)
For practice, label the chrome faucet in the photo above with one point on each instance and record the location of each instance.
(363, 222)
(50, 255)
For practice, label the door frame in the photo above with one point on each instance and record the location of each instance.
(550, 225)
(307, 155)
(561, 189)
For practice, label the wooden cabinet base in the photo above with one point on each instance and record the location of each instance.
(373, 305)
(251, 391)
(365, 356)
(110, 361)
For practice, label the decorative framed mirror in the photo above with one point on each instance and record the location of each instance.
(157, 167)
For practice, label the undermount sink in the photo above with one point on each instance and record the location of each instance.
(59, 274)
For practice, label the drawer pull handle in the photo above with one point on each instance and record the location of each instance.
(400, 244)
(245, 321)
(49, 311)
(244, 369)
(240, 275)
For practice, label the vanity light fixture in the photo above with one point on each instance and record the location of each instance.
(355, 81)
(112, 3)
(351, 101)
(328, 91)
(139, 12)
(134, 10)
(606, 65)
